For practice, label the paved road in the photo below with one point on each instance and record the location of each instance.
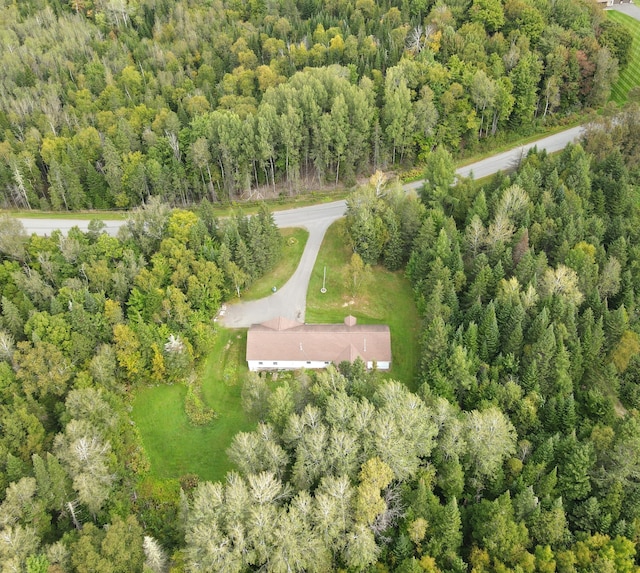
(306, 215)
(47, 226)
(290, 300)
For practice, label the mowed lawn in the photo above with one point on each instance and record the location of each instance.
(630, 76)
(174, 446)
(386, 299)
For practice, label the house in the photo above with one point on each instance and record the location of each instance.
(284, 344)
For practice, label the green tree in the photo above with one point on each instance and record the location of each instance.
(491, 438)
(85, 456)
(496, 530)
(489, 13)
(117, 549)
(439, 175)
(398, 114)
(525, 77)
(357, 275)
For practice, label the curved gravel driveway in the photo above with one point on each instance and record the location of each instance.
(291, 300)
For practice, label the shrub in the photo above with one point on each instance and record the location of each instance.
(195, 408)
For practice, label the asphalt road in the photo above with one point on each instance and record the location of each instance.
(290, 300)
(47, 226)
(304, 216)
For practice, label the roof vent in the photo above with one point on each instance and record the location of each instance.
(350, 320)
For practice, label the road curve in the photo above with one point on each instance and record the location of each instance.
(302, 216)
(290, 300)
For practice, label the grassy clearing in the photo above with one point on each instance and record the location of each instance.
(173, 445)
(630, 76)
(386, 299)
(294, 242)
(176, 448)
(69, 215)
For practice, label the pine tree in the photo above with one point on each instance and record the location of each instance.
(489, 334)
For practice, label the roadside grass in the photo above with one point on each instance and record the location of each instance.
(387, 298)
(68, 215)
(295, 240)
(225, 209)
(630, 76)
(174, 446)
(281, 203)
(514, 140)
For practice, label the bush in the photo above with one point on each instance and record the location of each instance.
(195, 408)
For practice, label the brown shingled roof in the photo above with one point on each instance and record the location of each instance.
(281, 323)
(286, 340)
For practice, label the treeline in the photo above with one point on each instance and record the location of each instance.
(103, 104)
(83, 319)
(528, 291)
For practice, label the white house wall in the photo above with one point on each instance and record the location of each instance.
(256, 365)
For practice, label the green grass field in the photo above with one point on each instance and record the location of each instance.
(386, 299)
(174, 446)
(294, 241)
(630, 76)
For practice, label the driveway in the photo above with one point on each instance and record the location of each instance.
(291, 300)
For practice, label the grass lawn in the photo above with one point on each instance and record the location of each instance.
(174, 446)
(294, 241)
(386, 299)
(69, 215)
(630, 76)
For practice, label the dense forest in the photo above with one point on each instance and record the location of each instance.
(518, 450)
(85, 319)
(105, 103)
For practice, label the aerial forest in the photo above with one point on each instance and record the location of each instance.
(105, 103)
(517, 445)
(516, 448)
